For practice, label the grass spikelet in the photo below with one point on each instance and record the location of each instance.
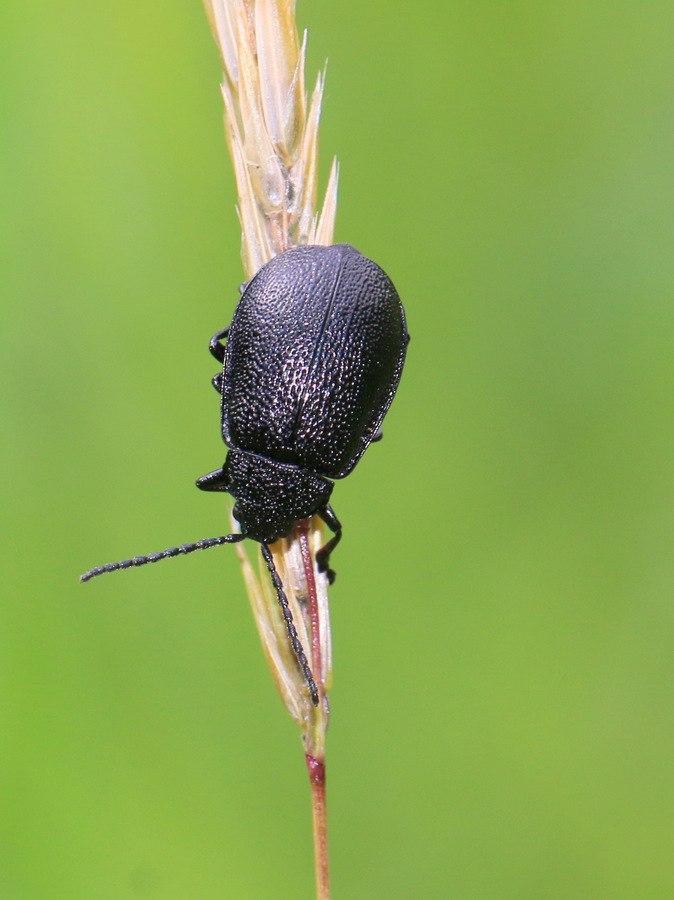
(272, 134)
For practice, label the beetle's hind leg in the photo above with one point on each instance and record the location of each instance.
(290, 625)
(216, 348)
(323, 555)
(216, 381)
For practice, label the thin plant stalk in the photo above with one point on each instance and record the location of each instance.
(316, 763)
(272, 133)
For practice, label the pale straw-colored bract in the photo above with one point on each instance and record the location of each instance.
(272, 132)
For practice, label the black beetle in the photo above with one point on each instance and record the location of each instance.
(313, 359)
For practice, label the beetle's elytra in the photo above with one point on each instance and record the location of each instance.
(311, 363)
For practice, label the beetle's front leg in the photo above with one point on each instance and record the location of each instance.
(216, 348)
(323, 555)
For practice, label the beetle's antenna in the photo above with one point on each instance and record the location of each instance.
(165, 554)
(290, 625)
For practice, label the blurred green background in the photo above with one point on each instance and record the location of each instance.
(503, 722)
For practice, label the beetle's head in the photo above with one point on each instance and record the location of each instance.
(271, 497)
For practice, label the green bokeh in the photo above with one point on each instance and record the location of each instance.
(503, 723)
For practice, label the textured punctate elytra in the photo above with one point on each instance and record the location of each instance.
(312, 361)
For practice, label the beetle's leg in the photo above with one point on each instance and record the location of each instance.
(214, 481)
(377, 436)
(290, 625)
(323, 555)
(216, 348)
(216, 381)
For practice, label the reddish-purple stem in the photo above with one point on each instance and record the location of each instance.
(315, 765)
(316, 662)
(316, 769)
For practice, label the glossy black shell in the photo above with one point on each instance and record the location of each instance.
(313, 359)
